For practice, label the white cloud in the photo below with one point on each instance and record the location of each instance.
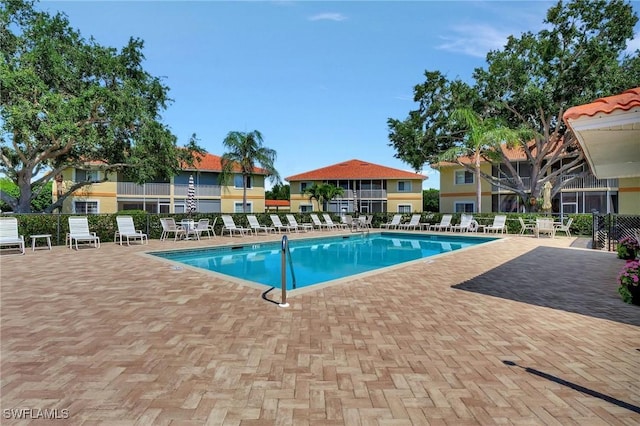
(474, 40)
(328, 17)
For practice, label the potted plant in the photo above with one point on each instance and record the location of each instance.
(628, 248)
(629, 279)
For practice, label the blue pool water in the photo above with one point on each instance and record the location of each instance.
(317, 260)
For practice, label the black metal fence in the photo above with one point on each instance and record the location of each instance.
(609, 228)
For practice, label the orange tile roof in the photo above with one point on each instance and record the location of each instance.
(624, 101)
(355, 169)
(213, 163)
(277, 203)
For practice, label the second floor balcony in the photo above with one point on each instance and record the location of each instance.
(363, 194)
(164, 189)
(587, 182)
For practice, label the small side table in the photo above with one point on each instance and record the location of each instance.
(36, 236)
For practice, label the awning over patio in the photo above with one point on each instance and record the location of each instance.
(608, 131)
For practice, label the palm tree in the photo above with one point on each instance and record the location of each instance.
(323, 193)
(316, 192)
(244, 151)
(332, 191)
(479, 138)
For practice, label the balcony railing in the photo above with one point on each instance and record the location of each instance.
(526, 181)
(364, 194)
(164, 189)
(130, 188)
(588, 182)
(201, 190)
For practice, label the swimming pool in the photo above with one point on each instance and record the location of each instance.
(317, 260)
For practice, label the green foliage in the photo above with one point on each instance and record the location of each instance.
(430, 200)
(105, 224)
(278, 192)
(629, 280)
(576, 58)
(66, 101)
(7, 186)
(323, 193)
(41, 195)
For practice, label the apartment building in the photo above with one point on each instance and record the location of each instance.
(581, 195)
(163, 196)
(368, 188)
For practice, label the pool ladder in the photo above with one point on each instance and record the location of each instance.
(286, 253)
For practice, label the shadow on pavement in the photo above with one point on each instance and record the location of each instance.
(579, 281)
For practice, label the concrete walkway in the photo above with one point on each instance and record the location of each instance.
(519, 331)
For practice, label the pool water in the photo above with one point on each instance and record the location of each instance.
(318, 260)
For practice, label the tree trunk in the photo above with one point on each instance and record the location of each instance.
(24, 183)
(478, 183)
(245, 178)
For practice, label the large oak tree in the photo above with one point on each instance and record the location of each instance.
(579, 56)
(66, 102)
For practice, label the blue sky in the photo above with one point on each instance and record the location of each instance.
(318, 79)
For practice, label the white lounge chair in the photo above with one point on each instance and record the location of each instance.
(545, 226)
(169, 227)
(524, 227)
(203, 227)
(228, 225)
(9, 233)
(564, 228)
(413, 223)
(256, 227)
(351, 223)
(330, 222)
(298, 226)
(277, 223)
(318, 223)
(79, 232)
(464, 225)
(126, 229)
(395, 221)
(367, 221)
(499, 224)
(444, 225)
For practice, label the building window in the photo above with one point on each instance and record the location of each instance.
(306, 208)
(85, 207)
(463, 177)
(404, 186)
(237, 207)
(404, 208)
(464, 207)
(85, 175)
(237, 181)
(304, 186)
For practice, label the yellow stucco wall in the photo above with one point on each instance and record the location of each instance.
(105, 194)
(297, 198)
(412, 198)
(629, 195)
(450, 193)
(255, 195)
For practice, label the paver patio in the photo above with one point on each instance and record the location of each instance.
(521, 331)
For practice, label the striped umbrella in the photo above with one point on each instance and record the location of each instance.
(191, 196)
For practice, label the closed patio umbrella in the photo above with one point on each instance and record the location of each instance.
(546, 196)
(191, 196)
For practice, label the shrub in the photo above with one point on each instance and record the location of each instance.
(628, 248)
(629, 279)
